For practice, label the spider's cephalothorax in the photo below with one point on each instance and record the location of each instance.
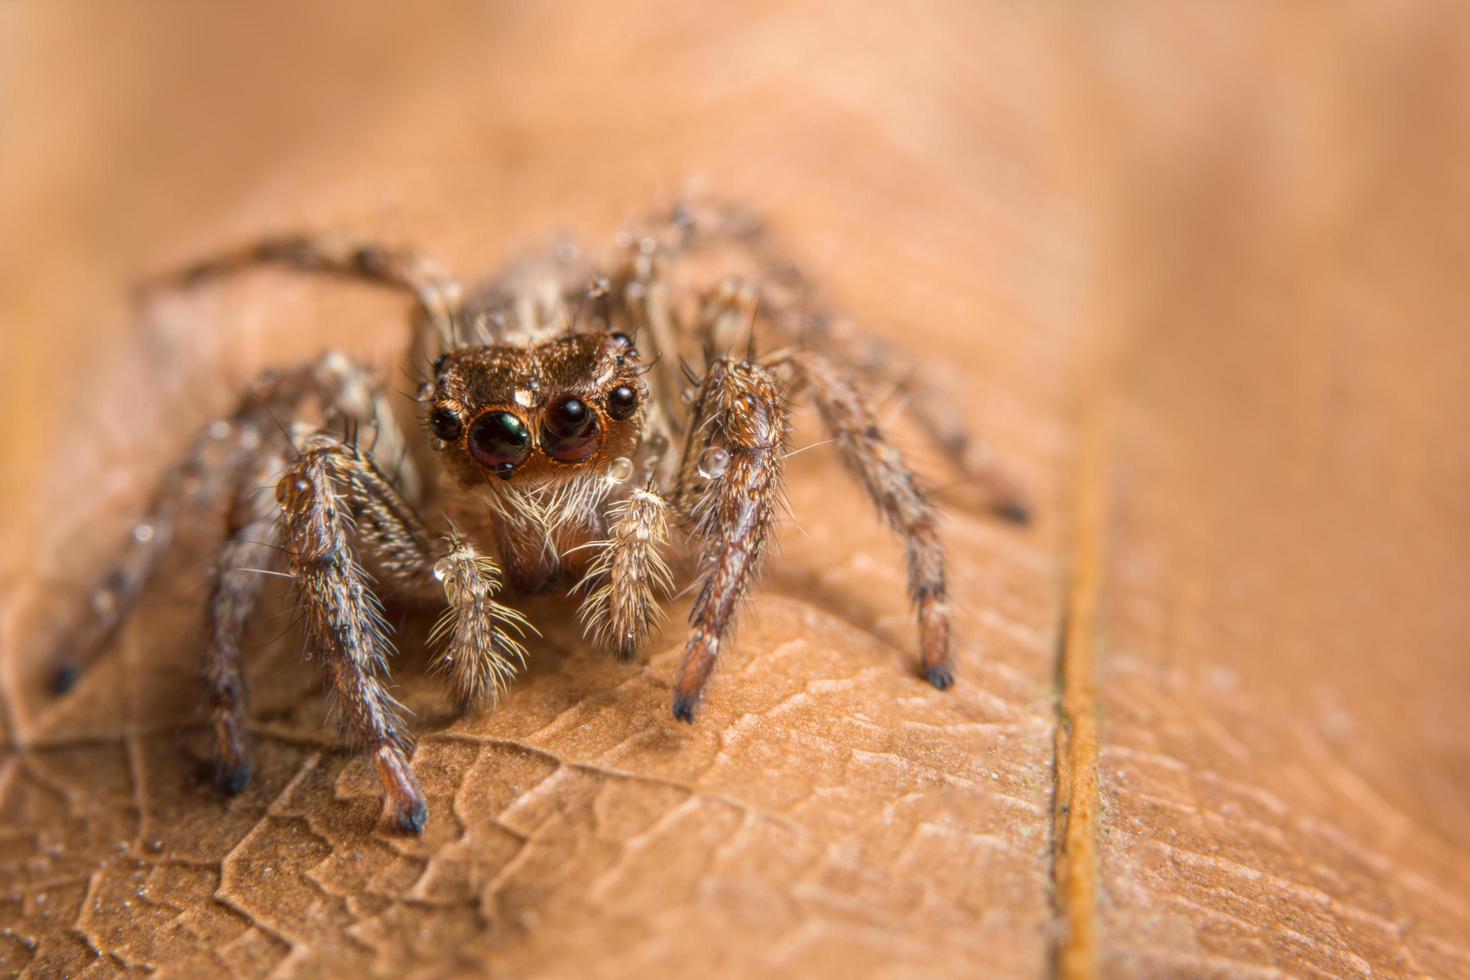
(535, 439)
(572, 445)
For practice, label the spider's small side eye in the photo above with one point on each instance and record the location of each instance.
(499, 440)
(446, 423)
(622, 402)
(626, 350)
(569, 429)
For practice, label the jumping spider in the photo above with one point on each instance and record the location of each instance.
(553, 397)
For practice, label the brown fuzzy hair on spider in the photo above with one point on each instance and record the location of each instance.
(545, 460)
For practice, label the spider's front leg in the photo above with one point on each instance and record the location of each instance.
(729, 488)
(895, 490)
(342, 615)
(338, 509)
(347, 393)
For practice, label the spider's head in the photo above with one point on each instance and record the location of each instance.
(537, 415)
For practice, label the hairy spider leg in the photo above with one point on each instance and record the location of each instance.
(438, 293)
(342, 615)
(791, 304)
(250, 549)
(730, 489)
(845, 345)
(895, 490)
(205, 470)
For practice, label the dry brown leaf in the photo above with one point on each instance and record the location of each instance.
(1191, 266)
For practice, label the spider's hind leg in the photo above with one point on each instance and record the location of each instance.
(250, 550)
(437, 292)
(900, 500)
(850, 348)
(207, 469)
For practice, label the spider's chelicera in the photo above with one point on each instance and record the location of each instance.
(569, 444)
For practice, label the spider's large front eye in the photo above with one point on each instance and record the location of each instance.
(500, 441)
(569, 430)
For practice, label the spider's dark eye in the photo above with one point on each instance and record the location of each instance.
(500, 441)
(622, 401)
(446, 423)
(626, 349)
(569, 429)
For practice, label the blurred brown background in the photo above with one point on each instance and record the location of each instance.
(1195, 270)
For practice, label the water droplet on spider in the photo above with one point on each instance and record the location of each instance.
(441, 569)
(249, 437)
(635, 291)
(143, 533)
(218, 429)
(533, 384)
(287, 486)
(425, 393)
(658, 444)
(647, 245)
(619, 470)
(713, 463)
(104, 601)
(438, 444)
